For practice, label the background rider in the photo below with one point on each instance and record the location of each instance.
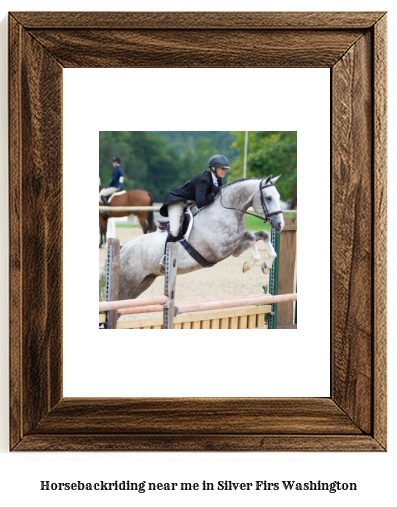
(116, 183)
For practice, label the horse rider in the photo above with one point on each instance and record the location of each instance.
(201, 189)
(116, 183)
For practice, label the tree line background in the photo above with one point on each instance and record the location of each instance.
(156, 161)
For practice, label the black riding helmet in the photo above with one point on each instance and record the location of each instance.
(218, 161)
(116, 159)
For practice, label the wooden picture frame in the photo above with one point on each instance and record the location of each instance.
(353, 46)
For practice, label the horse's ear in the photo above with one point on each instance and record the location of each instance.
(275, 179)
(268, 179)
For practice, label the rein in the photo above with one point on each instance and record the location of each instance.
(265, 210)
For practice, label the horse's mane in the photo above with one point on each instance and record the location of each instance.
(239, 181)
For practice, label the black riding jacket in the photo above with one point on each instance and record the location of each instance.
(199, 189)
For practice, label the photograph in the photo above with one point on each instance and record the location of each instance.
(185, 214)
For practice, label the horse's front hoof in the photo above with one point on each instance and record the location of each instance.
(246, 267)
(265, 269)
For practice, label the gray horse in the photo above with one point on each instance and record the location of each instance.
(217, 233)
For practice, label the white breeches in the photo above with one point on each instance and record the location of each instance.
(107, 191)
(175, 213)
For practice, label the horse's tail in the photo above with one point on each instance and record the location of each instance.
(150, 218)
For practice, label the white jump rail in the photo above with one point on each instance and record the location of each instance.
(129, 208)
(105, 306)
(235, 302)
(155, 304)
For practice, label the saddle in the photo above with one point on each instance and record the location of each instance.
(186, 224)
(119, 192)
(184, 233)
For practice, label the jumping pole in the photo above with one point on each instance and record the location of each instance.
(112, 279)
(282, 275)
(170, 285)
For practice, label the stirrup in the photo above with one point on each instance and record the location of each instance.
(105, 203)
(162, 262)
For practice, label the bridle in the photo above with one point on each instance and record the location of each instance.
(266, 212)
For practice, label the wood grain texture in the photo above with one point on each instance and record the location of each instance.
(298, 424)
(353, 45)
(286, 278)
(36, 214)
(199, 20)
(301, 416)
(15, 225)
(380, 229)
(352, 255)
(196, 48)
(205, 443)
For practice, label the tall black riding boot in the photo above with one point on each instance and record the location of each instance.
(170, 239)
(105, 202)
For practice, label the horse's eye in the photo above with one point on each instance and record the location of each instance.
(268, 197)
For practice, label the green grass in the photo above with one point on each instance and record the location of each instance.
(122, 225)
(254, 224)
(102, 283)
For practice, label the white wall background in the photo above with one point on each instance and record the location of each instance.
(20, 473)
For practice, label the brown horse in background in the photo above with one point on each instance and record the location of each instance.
(129, 198)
